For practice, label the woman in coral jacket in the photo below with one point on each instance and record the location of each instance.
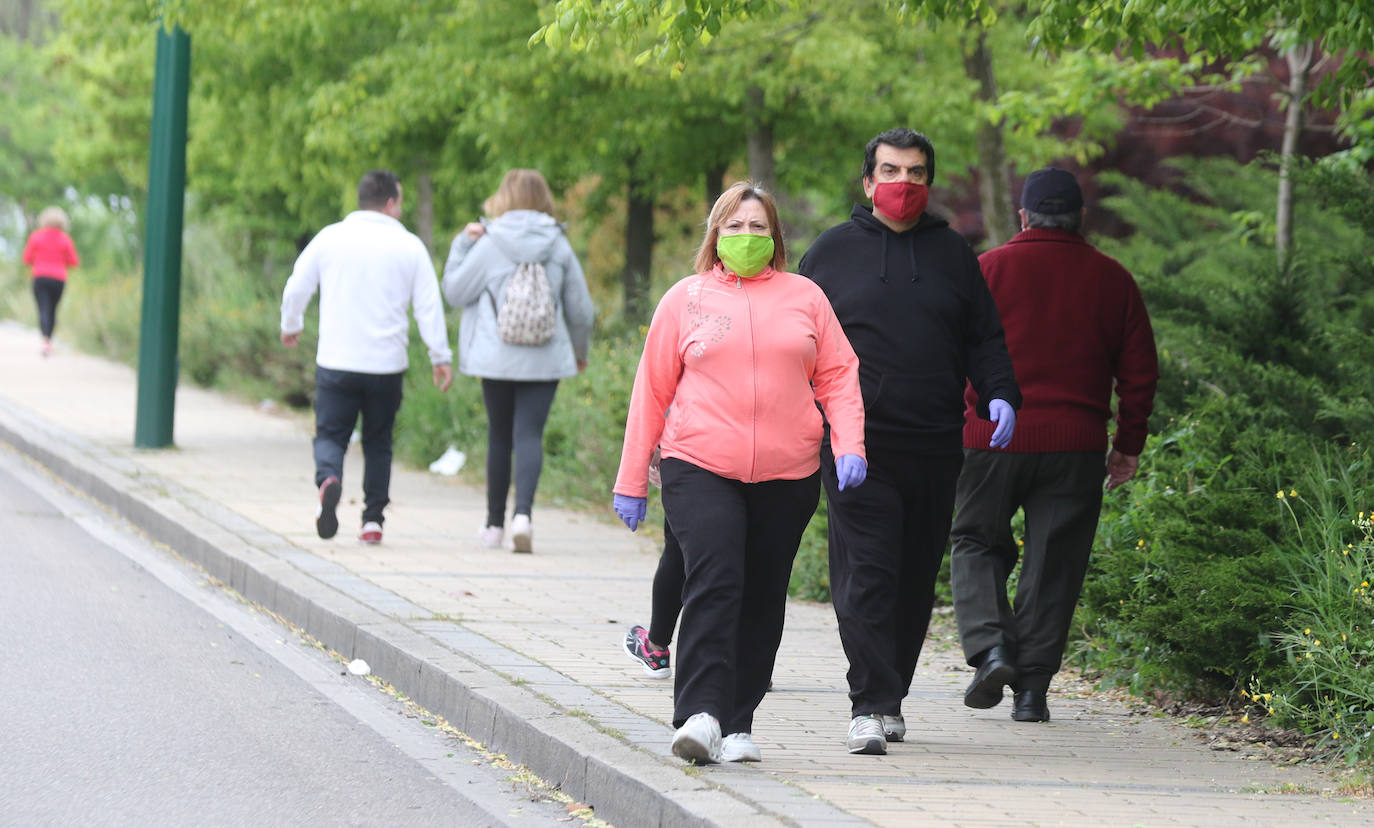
(736, 359)
(48, 253)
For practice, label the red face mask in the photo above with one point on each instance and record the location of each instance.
(901, 201)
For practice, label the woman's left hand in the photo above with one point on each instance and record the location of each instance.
(851, 470)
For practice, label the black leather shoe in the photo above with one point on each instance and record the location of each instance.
(1029, 706)
(996, 671)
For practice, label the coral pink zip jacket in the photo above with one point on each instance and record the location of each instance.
(730, 377)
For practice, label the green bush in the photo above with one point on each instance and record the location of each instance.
(1324, 686)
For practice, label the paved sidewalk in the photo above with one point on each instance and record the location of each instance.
(522, 652)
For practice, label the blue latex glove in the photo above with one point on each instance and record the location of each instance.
(1001, 412)
(630, 509)
(851, 470)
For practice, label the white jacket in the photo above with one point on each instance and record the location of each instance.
(369, 270)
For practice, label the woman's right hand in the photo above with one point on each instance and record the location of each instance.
(475, 230)
(630, 509)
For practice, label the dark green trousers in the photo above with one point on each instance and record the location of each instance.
(1061, 494)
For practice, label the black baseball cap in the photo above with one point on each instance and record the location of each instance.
(1051, 191)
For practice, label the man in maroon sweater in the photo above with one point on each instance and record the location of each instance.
(1075, 325)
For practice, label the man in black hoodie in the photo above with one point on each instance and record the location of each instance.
(912, 300)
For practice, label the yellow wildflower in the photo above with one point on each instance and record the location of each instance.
(1335, 735)
(1244, 695)
(1245, 719)
(1307, 631)
(1140, 542)
(1279, 494)
(1292, 492)
(1271, 711)
(1317, 642)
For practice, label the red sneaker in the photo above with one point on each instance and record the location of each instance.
(371, 533)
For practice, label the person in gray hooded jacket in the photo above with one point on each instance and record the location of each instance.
(518, 381)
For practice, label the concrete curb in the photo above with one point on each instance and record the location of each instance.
(520, 708)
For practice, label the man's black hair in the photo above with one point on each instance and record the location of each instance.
(376, 187)
(901, 138)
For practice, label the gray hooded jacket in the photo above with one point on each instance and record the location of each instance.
(475, 279)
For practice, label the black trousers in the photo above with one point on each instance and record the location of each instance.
(340, 396)
(47, 292)
(738, 543)
(516, 414)
(887, 540)
(667, 590)
(1061, 495)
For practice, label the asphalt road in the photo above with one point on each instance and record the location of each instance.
(132, 692)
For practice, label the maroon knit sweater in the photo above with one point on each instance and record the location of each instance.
(1075, 323)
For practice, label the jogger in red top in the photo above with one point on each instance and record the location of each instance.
(48, 253)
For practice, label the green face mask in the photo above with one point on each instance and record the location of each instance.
(745, 253)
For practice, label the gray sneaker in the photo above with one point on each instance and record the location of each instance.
(866, 735)
(698, 740)
(894, 727)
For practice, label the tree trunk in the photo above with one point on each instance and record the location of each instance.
(424, 208)
(760, 141)
(714, 184)
(22, 20)
(994, 174)
(639, 251)
(1299, 67)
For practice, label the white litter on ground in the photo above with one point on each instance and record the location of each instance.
(449, 462)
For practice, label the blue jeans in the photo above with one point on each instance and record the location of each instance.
(340, 396)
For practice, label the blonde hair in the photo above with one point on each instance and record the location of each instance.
(724, 208)
(520, 190)
(53, 217)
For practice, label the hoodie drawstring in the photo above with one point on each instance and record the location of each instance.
(911, 252)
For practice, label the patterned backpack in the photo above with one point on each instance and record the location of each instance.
(528, 315)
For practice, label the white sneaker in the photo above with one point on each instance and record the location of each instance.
(521, 533)
(698, 740)
(894, 727)
(491, 536)
(739, 747)
(866, 735)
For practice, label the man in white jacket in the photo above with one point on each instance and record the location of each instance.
(369, 271)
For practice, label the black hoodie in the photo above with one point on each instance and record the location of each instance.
(919, 315)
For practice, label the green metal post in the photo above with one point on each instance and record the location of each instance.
(157, 341)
